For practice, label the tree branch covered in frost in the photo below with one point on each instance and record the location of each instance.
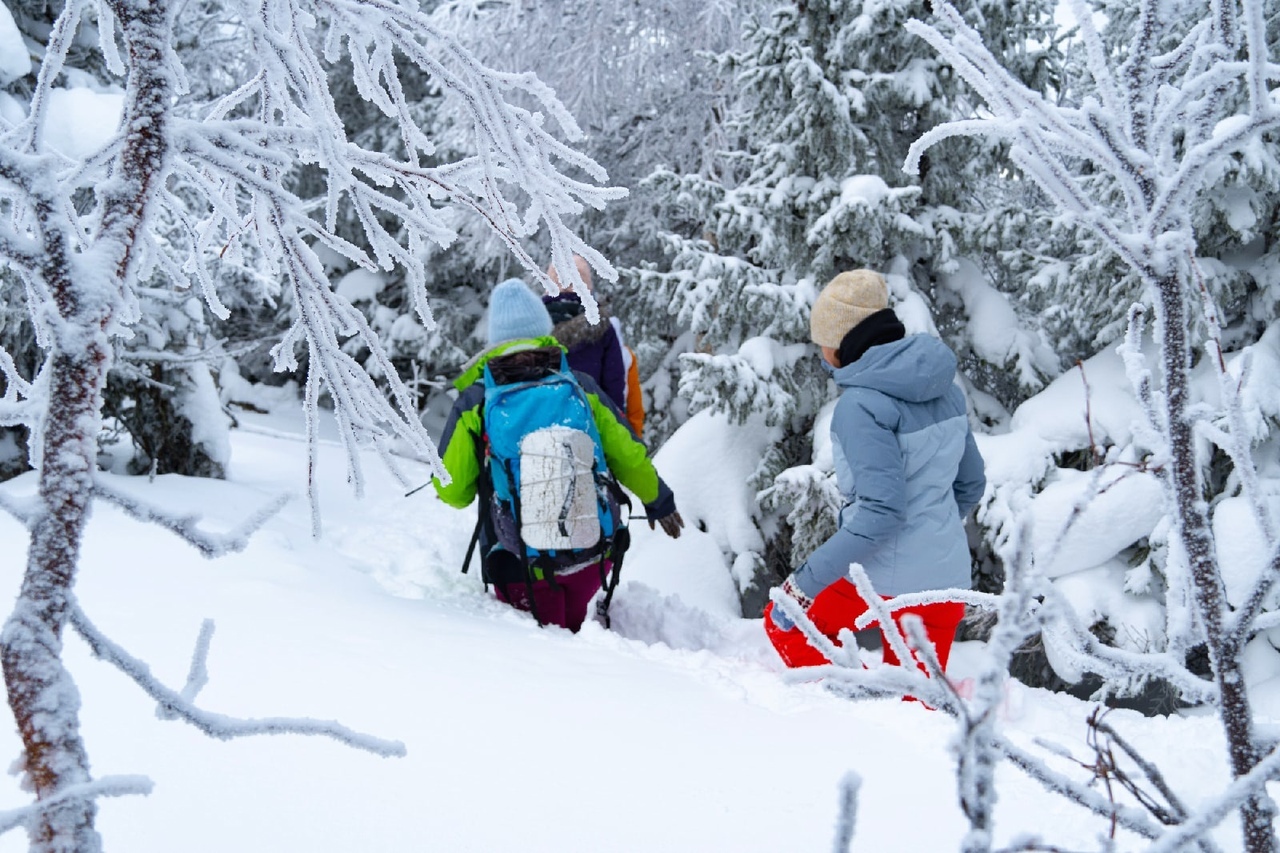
(178, 705)
(1133, 136)
(208, 544)
(183, 187)
(975, 744)
(234, 153)
(1211, 814)
(1081, 794)
(108, 786)
(197, 674)
(840, 655)
(1078, 651)
(1236, 443)
(979, 745)
(1128, 164)
(225, 192)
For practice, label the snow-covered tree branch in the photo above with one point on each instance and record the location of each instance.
(180, 705)
(1128, 163)
(188, 184)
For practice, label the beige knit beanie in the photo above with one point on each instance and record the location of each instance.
(846, 301)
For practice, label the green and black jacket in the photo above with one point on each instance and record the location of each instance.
(462, 443)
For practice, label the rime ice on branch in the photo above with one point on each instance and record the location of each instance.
(185, 185)
(1127, 163)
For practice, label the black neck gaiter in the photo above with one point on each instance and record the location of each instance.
(882, 327)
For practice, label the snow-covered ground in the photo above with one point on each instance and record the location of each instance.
(676, 731)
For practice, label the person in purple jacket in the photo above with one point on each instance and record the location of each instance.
(594, 349)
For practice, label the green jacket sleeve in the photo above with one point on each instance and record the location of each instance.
(461, 453)
(626, 456)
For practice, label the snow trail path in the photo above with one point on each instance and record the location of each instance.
(675, 732)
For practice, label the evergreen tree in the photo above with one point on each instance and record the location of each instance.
(1086, 290)
(159, 399)
(831, 95)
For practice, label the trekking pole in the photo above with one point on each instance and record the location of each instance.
(415, 491)
(622, 541)
(471, 549)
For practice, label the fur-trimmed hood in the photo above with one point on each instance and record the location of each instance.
(572, 329)
(594, 348)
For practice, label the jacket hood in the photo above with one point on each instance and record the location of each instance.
(916, 369)
(474, 369)
(571, 326)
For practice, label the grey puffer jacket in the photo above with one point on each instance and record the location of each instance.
(908, 468)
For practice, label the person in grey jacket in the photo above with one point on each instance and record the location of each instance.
(906, 464)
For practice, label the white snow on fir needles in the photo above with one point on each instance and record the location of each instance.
(15, 58)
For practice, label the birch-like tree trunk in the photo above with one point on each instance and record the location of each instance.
(1129, 161)
(42, 695)
(1191, 517)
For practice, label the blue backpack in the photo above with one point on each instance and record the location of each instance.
(553, 505)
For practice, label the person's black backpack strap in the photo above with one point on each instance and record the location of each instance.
(617, 549)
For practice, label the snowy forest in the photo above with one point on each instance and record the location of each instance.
(212, 211)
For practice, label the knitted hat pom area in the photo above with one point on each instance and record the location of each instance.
(516, 312)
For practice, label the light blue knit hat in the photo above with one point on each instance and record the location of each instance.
(516, 312)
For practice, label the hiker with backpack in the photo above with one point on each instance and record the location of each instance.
(595, 349)
(544, 450)
(907, 467)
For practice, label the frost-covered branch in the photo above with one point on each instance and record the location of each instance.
(967, 597)
(1111, 137)
(176, 705)
(1077, 651)
(1129, 818)
(845, 656)
(108, 786)
(1126, 164)
(26, 136)
(233, 153)
(976, 741)
(881, 614)
(1237, 444)
(16, 387)
(1239, 792)
(197, 674)
(208, 544)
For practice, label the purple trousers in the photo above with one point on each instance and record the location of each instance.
(563, 603)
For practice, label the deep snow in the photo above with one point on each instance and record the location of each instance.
(676, 731)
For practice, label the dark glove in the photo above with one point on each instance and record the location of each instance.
(671, 523)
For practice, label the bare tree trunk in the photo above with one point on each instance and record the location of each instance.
(43, 697)
(41, 693)
(1192, 519)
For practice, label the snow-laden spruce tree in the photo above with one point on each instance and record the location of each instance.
(159, 397)
(1191, 93)
(637, 81)
(830, 96)
(636, 77)
(181, 188)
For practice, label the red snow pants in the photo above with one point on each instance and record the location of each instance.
(839, 605)
(563, 603)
